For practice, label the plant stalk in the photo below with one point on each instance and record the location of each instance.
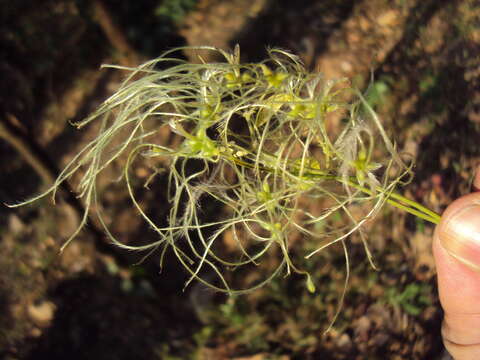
(399, 201)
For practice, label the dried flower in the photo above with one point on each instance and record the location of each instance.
(255, 138)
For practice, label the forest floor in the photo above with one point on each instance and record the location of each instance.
(420, 60)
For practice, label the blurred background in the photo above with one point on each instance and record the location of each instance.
(93, 302)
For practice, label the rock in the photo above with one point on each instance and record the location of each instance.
(344, 343)
(15, 224)
(42, 313)
(388, 18)
(362, 328)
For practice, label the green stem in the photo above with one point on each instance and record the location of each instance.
(416, 205)
(399, 201)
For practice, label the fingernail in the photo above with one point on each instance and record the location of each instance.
(460, 235)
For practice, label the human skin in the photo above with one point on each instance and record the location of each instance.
(456, 248)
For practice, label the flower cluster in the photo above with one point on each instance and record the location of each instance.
(258, 140)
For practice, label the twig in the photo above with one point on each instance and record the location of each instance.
(24, 148)
(116, 37)
(35, 157)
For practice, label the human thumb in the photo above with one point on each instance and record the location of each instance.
(456, 248)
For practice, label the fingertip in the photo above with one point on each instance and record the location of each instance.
(456, 249)
(459, 230)
(459, 291)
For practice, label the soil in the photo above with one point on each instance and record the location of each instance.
(94, 301)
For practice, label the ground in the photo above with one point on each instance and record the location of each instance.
(420, 62)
